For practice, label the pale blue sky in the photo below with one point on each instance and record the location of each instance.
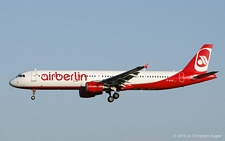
(110, 35)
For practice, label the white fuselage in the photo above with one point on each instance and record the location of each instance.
(74, 79)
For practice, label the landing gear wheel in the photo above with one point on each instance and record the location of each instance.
(110, 99)
(116, 95)
(32, 97)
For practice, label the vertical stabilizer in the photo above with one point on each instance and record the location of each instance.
(199, 63)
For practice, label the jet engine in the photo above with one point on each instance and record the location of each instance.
(91, 89)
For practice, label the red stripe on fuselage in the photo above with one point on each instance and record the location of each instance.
(51, 87)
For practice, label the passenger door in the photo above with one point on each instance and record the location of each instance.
(33, 76)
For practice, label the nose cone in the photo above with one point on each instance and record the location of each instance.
(13, 83)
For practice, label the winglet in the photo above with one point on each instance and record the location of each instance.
(146, 66)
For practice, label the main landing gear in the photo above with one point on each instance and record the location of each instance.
(33, 96)
(111, 98)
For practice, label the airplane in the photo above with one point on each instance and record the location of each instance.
(91, 83)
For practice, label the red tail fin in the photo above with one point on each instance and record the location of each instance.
(199, 63)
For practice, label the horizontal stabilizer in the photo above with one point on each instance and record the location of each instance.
(204, 75)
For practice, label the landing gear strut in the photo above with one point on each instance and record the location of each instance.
(33, 96)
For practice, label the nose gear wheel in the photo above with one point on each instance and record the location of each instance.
(33, 96)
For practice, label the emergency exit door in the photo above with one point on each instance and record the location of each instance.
(181, 77)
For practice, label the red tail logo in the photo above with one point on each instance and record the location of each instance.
(202, 59)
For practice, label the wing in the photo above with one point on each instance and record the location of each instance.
(120, 79)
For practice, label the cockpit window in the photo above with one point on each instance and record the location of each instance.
(20, 75)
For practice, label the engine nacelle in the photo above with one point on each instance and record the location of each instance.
(84, 94)
(91, 89)
(94, 87)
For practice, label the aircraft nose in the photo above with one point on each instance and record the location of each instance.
(13, 82)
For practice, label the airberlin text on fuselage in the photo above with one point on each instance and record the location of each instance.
(66, 77)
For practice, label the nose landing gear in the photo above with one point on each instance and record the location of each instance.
(33, 96)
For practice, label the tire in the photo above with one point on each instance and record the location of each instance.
(32, 97)
(110, 99)
(116, 95)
